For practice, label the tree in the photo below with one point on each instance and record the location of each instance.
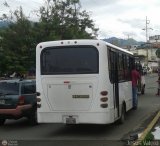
(63, 19)
(59, 19)
(17, 44)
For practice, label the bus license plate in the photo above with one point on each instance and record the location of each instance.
(2, 101)
(70, 120)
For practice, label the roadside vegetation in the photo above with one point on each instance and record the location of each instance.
(148, 140)
(57, 19)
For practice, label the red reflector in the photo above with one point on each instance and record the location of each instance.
(21, 100)
(104, 93)
(66, 82)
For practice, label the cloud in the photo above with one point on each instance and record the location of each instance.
(134, 23)
(28, 7)
(113, 17)
(122, 17)
(92, 4)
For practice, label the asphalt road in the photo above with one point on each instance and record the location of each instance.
(59, 134)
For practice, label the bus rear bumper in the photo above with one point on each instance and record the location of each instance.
(76, 118)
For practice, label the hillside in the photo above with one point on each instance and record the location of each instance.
(122, 42)
(3, 24)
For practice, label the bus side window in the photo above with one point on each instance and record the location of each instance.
(125, 67)
(120, 67)
(128, 68)
(131, 63)
(111, 65)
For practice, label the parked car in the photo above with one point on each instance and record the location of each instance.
(149, 70)
(143, 84)
(17, 100)
(144, 70)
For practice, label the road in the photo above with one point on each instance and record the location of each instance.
(60, 134)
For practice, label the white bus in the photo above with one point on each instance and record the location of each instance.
(83, 81)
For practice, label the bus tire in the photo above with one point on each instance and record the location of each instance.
(2, 121)
(143, 89)
(123, 114)
(33, 118)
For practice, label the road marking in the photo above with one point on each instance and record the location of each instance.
(147, 130)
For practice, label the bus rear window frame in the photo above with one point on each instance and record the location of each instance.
(71, 46)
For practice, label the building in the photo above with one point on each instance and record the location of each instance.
(154, 39)
(148, 49)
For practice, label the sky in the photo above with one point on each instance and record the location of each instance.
(114, 18)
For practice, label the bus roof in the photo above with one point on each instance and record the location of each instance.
(118, 48)
(79, 42)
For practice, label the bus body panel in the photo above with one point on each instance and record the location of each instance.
(125, 93)
(78, 96)
(70, 94)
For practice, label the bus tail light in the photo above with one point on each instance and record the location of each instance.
(104, 105)
(21, 100)
(38, 105)
(104, 93)
(38, 93)
(104, 99)
(38, 99)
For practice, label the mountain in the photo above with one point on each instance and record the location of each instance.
(4, 24)
(122, 42)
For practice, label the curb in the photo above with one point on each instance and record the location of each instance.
(147, 130)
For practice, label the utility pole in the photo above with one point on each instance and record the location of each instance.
(128, 45)
(146, 29)
(128, 42)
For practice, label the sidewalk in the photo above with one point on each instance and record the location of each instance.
(151, 135)
(152, 119)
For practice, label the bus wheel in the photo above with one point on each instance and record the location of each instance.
(143, 89)
(2, 121)
(33, 118)
(123, 114)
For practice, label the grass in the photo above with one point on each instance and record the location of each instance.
(148, 140)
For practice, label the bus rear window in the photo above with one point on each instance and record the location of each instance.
(69, 60)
